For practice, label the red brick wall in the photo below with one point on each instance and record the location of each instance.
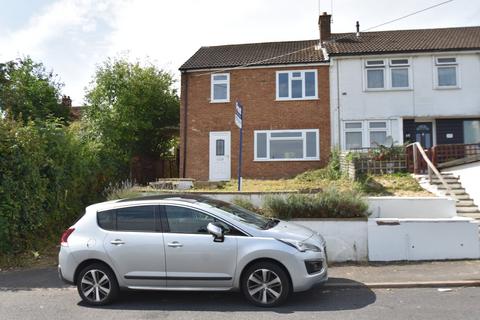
(255, 88)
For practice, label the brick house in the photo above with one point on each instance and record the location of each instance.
(284, 89)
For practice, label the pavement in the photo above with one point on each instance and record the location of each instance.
(407, 275)
(351, 293)
(372, 275)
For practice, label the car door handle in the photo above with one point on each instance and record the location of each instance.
(175, 244)
(117, 242)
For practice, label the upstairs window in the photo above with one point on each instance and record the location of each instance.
(446, 72)
(220, 87)
(387, 74)
(399, 72)
(375, 73)
(297, 85)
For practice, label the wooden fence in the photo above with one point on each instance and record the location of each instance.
(146, 169)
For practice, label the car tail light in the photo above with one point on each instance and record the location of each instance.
(65, 235)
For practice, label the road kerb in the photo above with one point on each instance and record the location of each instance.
(399, 285)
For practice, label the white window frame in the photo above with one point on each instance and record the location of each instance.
(365, 130)
(438, 65)
(213, 82)
(393, 66)
(303, 137)
(380, 67)
(302, 77)
(387, 66)
(386, 129)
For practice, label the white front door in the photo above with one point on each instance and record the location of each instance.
(220, 165)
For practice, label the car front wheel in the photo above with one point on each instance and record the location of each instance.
(266, 284)
(97, 285)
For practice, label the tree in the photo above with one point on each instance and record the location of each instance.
(133, 109)
(28, 91)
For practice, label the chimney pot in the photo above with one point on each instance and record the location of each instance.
(324, 25)
(358, 29)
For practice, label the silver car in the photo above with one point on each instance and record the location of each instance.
(185, 242)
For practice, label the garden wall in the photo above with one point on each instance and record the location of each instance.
(399, 228)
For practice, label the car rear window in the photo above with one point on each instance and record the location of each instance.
(106, 220)
(141, 218)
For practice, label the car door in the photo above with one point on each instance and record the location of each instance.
(193, 258)
(135, 246)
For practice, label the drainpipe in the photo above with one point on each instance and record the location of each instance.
(185, 127)
(338, 107)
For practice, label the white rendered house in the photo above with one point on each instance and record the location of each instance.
(407, 85)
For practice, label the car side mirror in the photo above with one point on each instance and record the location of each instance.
(216, 231)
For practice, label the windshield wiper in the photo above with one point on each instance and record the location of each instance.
(271, 223)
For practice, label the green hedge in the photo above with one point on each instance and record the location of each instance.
(330, 203)
(47, 177)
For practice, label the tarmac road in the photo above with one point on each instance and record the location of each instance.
(38, 294)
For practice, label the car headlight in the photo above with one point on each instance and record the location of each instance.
(300, 246)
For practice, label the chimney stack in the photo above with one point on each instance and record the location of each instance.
(324, 22)
(358, 29)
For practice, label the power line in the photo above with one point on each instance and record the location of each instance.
(333, 40)
(409, 15)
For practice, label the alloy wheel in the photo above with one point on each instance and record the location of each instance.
(95, 285)
(264, 286)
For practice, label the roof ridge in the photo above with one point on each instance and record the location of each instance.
(402, 30)
(257, 43)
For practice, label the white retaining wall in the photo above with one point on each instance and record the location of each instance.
(346, 239)
(399, 228)
(411, 207)
(422, 239)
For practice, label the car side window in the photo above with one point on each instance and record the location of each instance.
(185, 220)
(141, 218)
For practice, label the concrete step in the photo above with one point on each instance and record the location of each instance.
(465, 203)
(460, 191)
(451, 185)
(462, 197)
(446, 177)
(467, 210)
(438, 182)
(444, 173)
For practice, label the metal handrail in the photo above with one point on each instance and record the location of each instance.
(431, 167)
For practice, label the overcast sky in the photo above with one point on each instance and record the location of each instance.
(72, 36)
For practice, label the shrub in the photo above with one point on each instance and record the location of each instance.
(330, 203)
(121, 190)
(247, 204)
(330, 172)
(48, 174)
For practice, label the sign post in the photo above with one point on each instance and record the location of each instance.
(239, 123)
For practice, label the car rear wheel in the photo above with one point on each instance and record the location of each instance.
(266, 284)
(97, 285)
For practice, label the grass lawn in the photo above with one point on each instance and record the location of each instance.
(311, 181)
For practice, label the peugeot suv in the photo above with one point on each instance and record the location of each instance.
(185, 242)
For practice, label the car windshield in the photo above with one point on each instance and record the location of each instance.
(242, 215)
